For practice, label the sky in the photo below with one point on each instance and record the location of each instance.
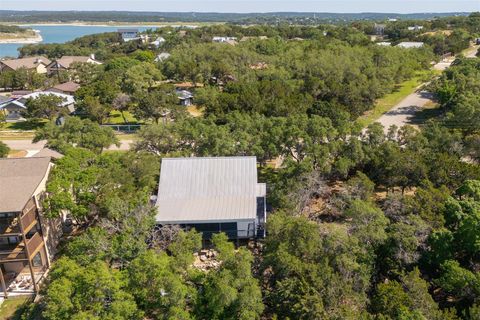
(343, 6)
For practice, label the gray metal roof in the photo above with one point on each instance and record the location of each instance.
(19, 178)
(207, 190)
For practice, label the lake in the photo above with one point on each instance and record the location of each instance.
(61, 34)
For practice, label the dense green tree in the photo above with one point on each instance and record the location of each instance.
(81, 133)
(46, 106)
(231, 292)
(91, 292)
(159, 103)
(96, 110)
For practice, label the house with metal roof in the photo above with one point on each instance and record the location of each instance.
(212, 195)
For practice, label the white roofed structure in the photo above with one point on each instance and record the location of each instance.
(410, 45)
(205, 192)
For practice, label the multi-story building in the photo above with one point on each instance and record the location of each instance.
(27, 239)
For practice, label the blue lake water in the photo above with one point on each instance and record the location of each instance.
(61, 34)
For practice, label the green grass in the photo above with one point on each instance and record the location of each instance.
(116, 118)
(16, 135)
(24, 125)
(401, 91)
(10, 307)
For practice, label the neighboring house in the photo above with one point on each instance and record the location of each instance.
(384, 44)
(410, 45)
(129, 34)
(247, 38)
(65, 62)
(212, 195)
(15, 108)
(19, 93)
(415, 28)
(37, 64)
(65, 88)
(162, 57)
(224, 39)
(379, 29)
(47, 152)
(27, 239)
(158, 42)
(185, 97)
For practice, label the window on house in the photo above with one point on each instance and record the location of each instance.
(37, 260)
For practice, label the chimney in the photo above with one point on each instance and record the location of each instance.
(92, 56)
(38, 60)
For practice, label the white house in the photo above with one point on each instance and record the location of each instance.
(162, 57)
(415, 28)
(410, 45)
(158, 42)
(129, 34)
(212, 195)
(224, 39)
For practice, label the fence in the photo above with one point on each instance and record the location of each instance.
(123, 127)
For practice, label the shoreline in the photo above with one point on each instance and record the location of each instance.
(111, 24)
(26, 40)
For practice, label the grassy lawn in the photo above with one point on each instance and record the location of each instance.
(24, 125)
(390, 100)
(195, 111)
(116, 118)
(16, 135)
(11, 305)
(126, 136)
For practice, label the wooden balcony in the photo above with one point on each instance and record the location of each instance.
(34, 244)
(12, 253)
(9, 226)
(28, 218)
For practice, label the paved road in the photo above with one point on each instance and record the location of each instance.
(32, 148)
(403, 112)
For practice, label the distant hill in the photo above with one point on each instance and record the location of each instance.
(126, 16)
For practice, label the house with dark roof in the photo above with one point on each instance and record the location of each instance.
(212, 195)
(37, 64)
(65, 88)
(65, 63)
(27, 239)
